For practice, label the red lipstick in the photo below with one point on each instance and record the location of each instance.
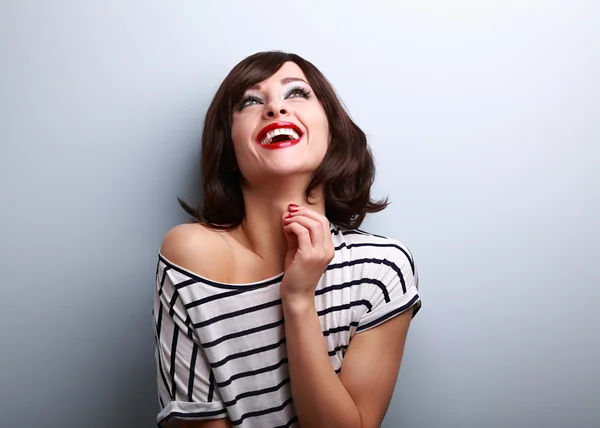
(282, 144)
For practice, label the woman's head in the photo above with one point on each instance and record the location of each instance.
(322, 141)
(279, 129)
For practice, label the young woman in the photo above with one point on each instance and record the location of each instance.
(273, 309)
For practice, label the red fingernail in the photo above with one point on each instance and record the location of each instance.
(289, 216)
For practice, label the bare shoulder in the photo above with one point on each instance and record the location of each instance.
(196, 248)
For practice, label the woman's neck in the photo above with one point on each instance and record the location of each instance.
(262, 228)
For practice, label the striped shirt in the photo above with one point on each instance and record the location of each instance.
(220, 348)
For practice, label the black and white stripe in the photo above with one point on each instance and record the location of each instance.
(221, 347)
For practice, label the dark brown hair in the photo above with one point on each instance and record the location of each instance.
(346, 173)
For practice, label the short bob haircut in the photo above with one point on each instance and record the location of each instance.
(346, 173)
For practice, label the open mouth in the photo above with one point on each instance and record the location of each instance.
(279, 135)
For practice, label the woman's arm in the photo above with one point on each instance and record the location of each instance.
(216, 423)
(320, 399)
(360, 396)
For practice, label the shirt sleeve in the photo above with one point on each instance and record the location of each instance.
(396, 291)
(186, 386)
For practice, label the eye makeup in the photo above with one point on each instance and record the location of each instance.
(249, 100)
(296, 91)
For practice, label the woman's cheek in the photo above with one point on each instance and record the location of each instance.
(237, 134)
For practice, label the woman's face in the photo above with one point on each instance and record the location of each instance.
(279, 127)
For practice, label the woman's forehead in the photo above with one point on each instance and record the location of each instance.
(287, 73)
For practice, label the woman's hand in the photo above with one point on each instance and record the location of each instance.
(310, 250)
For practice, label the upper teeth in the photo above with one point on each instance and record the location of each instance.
(268, 137)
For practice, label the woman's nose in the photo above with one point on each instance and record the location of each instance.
(275, 111)
(272, 113)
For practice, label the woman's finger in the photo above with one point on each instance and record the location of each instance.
(323, 221)
(311, 214)
(302, 235)
(291, 238)
(313, 226)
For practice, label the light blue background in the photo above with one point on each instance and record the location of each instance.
(485, 121)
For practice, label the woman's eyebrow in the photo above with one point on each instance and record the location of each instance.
(284, 81)
(287, 80)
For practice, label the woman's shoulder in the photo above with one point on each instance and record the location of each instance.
(195, 247)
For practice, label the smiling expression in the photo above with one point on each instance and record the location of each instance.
(279, 127)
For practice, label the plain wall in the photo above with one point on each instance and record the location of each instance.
(484, 118)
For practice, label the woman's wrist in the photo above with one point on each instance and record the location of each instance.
(297, 302)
